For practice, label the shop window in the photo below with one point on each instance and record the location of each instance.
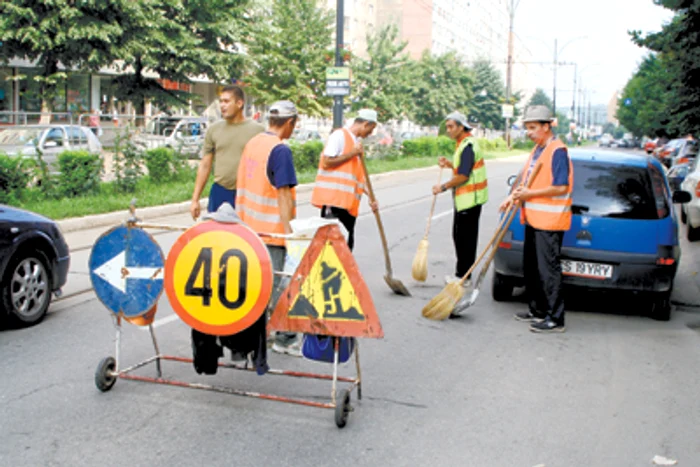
(6, 101)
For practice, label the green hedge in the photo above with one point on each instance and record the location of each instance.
(306, 155)
(80, 173)
(523, 144)
(15, 175)
(166, 164)
(428, 146)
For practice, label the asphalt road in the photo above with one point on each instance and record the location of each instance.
(615, 390)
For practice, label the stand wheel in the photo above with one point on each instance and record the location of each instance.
(104, 377)
(342, 408)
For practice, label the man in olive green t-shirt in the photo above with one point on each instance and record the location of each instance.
(223, 146)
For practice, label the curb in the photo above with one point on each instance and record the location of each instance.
(74, 224)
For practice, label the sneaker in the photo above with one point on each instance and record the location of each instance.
(288, 346)
(528, 316)
(453, 279)
(547, 325)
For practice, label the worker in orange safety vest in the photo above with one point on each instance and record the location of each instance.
(546, 213)
(340, 181)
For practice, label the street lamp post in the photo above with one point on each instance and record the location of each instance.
(338, 100)
(509, 69)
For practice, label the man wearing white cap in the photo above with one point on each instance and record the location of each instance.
(340, 181)
(470, 191)
(266, 196)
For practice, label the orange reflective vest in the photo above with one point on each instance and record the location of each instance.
(341, 186)
(256, 197)
(548, 212)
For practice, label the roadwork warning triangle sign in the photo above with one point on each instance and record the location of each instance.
(327, 294)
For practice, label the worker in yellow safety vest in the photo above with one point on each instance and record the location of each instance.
(266, 197)
(470, 191)
(546, 213)
(340, 181)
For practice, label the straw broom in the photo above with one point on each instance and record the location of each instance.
(419, 268)
(441, 306)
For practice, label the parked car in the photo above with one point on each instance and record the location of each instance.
(183, 134)
(686, 150)
(605, 140)
(623, 236)
(650, 145)
(690, 212)
(303, 135)
(34, 262)
(664, 153)
(51, 140)
(676, 174)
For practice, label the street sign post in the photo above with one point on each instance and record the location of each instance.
(507, 110)
(218, 277)
(126, 270)
(338, 81)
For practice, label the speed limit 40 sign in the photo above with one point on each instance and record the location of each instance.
(218, 277)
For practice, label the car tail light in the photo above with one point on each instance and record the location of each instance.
(667, 255)
(682, 160)
(506, 241)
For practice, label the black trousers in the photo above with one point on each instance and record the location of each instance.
(542, 267)
(345, 218)
(465, 234)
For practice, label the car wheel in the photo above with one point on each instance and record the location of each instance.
(661, 306)
(26, 288)
(501, 288)
(692, 233)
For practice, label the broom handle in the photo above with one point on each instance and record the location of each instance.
(502, 227)
(432, 208)
(370, 192)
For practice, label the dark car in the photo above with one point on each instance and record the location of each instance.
(34, 262)
(623, 236)
(677, 173)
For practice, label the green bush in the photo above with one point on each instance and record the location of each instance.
(446, 147)
(306, 155)
(127, 161)
(162, 164)
(15, 174)
(80, 173)
(411, 148)
(525, 144)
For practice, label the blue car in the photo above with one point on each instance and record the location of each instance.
(623, 236)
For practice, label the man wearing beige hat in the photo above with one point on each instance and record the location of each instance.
(546, 213)
(340, 181)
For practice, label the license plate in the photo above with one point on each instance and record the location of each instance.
(590, 270)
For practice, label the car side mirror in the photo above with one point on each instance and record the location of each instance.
(511, 180)
(50, 144)
(681, 197)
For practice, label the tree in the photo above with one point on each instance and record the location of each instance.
(288, 48)
(489, 94)
(540, 98)
(179, 39)
(81, 35)
(643, 106)
(678, 44)
(440, 84)
(381, 81)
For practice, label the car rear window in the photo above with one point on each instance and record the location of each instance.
(610, 190)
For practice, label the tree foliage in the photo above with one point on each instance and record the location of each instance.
(380, 81)
(489, 93)
(288, 49)
(540, 98)
(643, 105)
(441, 84)
(83, 35)
(678, 49)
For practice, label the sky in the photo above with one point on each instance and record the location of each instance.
(592, 33)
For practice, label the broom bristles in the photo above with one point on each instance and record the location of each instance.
(419, 268)
(440, 307)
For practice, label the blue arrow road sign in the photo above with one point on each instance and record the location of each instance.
(126, 270)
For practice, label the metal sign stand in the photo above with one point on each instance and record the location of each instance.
(109, 369)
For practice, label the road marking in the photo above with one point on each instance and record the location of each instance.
(161, 322)
(442, 214)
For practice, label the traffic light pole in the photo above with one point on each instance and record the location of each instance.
(339, 26)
